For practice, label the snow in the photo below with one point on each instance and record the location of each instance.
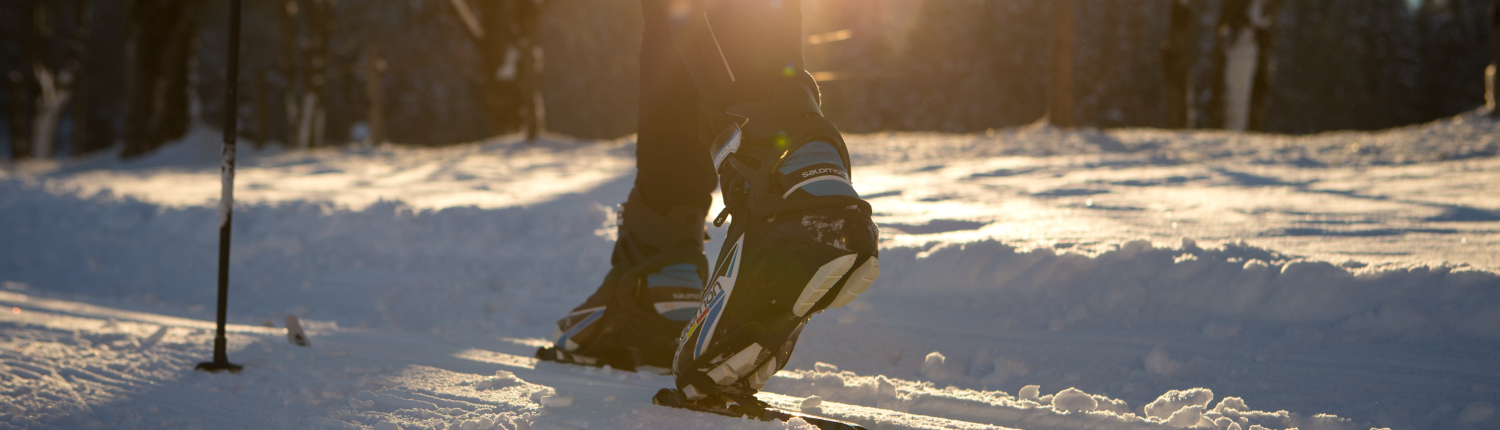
(1123, 279)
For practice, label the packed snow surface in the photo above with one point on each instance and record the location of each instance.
(1031, 278)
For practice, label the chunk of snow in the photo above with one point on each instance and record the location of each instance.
(501, 379)
(556, 401)
(536, 396)
(811, 403)
(932, 366)
(822, 367)
(1171, 402)
(1074, 400)
(1029, 392)
(797, 423)
(387, 425)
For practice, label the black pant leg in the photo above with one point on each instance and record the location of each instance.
(714, 52)
(736, 50)
(673, 166)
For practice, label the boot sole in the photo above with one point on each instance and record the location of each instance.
(817, 286)
(741, 364)
(829, 275)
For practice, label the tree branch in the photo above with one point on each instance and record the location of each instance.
(466, 14)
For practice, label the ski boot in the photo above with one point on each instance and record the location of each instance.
(801, 241)
(633, 319)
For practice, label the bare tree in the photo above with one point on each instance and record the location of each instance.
(160, 40)
(54, 84)
(1060, 99)
(1242, 64)
(505, 33)
(1177, 63)
(306, 109)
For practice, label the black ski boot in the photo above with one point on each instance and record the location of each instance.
(801, 241)
(632, 321)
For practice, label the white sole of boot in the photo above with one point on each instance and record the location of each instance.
(818, 285)
(858, 282)
(738, 365)
(759, 379)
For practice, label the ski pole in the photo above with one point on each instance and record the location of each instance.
(226, 198)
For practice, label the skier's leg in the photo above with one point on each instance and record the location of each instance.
(737, 51)
(801, 239)
(658, 266)
(672, 164)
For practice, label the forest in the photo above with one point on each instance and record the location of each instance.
(85, 76)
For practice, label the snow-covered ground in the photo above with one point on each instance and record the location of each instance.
(1031, 278)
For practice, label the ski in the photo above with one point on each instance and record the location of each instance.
(731, 405)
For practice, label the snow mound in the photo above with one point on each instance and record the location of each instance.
(1148, 285)
(1068, 409)
(1173, 401)
(1073, 400)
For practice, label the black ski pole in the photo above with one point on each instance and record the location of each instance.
(226, 198)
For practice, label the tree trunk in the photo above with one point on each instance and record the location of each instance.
(1265, 36)
(505, 33)
(56, 84)
(313, 112)
(291, 80)
(20, 147)
(533, 109)
(23, 81)
(83, 16)
(262, 120)
(1494, 69)
(55, 90)
(375, 91)
(1060, 99)
(1242, 64)
(156, 94)
(1177, 63)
